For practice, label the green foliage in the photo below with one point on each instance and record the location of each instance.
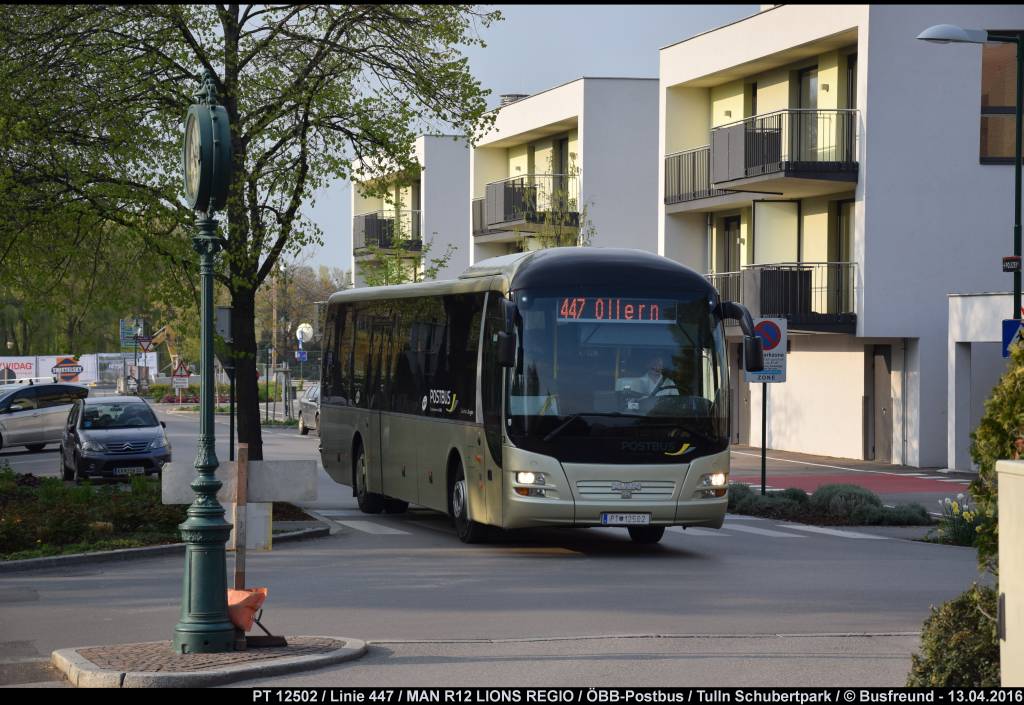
(92, 109)
(961, 524)
(991, 441)
(830, 504)
(959, 644)
(380, 266)
(45, 516)
(565, 220)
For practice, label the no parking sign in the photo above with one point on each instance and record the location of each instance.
(772, 332)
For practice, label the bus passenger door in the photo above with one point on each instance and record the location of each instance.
(492, 377)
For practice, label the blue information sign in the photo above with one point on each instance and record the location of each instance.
(1011, 334)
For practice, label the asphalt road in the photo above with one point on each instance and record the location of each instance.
(756, 602)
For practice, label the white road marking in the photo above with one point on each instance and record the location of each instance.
(822, 465)
(762, 532)
(833, 532)
(370, 528)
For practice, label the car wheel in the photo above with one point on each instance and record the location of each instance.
(35, 447)
(646, 534)
(467, 530)
(302, 427)
(369, 502)
(67, 473)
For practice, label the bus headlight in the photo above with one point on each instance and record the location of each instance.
(716, 479)
(530, 478)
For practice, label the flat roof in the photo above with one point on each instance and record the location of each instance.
(715, 29)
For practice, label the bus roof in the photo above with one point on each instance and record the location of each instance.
(568, 266)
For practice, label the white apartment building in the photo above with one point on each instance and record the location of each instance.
(574, 159)
(426, 207)
(823, 165)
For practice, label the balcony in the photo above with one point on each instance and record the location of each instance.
(802, 144)
(388, 230)
(811, 296)
(791, 153)
(688, 176)
(528, 203)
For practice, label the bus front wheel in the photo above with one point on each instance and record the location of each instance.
(369, 502)
(646, 534)
(468, 530)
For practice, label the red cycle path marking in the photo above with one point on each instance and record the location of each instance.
(874, 482)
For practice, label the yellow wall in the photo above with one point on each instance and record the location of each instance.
(574, 149)
(815, 215)
(727, 103)
(688, 118)
(518, 160)
(364, 204)
(775, 239)
(489, 164)
(772, 91)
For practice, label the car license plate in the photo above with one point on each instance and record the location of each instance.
(625, 519)
(129, 471)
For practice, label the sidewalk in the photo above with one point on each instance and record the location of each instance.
(155, 665)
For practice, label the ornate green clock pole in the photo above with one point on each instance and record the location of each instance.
(204, 625)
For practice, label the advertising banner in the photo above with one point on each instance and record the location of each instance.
(67, 369)
(12, 368)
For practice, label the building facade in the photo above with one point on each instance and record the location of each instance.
(822, 165)
(571, 163)
(422, 218)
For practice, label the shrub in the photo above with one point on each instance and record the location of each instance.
(841, 501)
(771, 506)
(994, 440)
(959, 645)
(738, 492)
(795, 494)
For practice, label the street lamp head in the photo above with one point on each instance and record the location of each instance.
(950, 33)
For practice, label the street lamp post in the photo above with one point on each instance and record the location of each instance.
(947, 34)
(204, 625)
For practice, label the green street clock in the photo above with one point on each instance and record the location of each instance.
(206, 156)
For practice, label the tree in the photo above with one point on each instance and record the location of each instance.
(993, 440)
(308, 90)
(381, 266)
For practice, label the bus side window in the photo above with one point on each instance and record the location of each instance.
(360, 356)
(491, 376)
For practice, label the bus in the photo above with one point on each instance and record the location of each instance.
(572, 387)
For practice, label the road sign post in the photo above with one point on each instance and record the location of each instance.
(774, 337)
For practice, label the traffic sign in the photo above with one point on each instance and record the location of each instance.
(1011, 263)
(1011, 334)
(773, 335)
(180, 376)
(300, 355)
(145, 342)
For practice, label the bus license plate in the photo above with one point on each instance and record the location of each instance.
(625, 519)
(129, 471)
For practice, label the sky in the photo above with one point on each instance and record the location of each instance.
(537, 47)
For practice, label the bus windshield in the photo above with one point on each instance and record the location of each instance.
(602, 377)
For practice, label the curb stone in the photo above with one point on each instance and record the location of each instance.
(83, 673)
(126, 554)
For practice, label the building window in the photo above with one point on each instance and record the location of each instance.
(998, 93)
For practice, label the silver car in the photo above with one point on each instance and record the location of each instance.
(34, 415)
(309, 410)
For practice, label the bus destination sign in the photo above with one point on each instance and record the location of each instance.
(589, 309)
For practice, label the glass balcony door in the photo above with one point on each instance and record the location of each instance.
(805, 131)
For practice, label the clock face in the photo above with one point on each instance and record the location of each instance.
(193, 158)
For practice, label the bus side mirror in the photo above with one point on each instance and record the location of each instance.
(753, 353)
(506, 350)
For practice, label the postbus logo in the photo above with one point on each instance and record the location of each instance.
(67, 369)
(445, 399)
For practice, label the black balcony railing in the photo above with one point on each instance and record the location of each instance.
(728, 284)
(532, 198)
(688, 176)
(807, 292)
(804, 142)
(387, 229)
(817, 295)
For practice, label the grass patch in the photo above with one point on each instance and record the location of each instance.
(836, 505)
(293, 423)
(45, 517)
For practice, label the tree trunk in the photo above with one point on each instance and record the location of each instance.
(243, 333)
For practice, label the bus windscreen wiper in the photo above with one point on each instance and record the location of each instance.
(565, 424)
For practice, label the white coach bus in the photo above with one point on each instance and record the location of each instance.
(563, 387)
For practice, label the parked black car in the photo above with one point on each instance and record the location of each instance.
(113, 437)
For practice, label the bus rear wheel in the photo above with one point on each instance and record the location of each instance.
(467, 530)
(646, 534)
(369, 502)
